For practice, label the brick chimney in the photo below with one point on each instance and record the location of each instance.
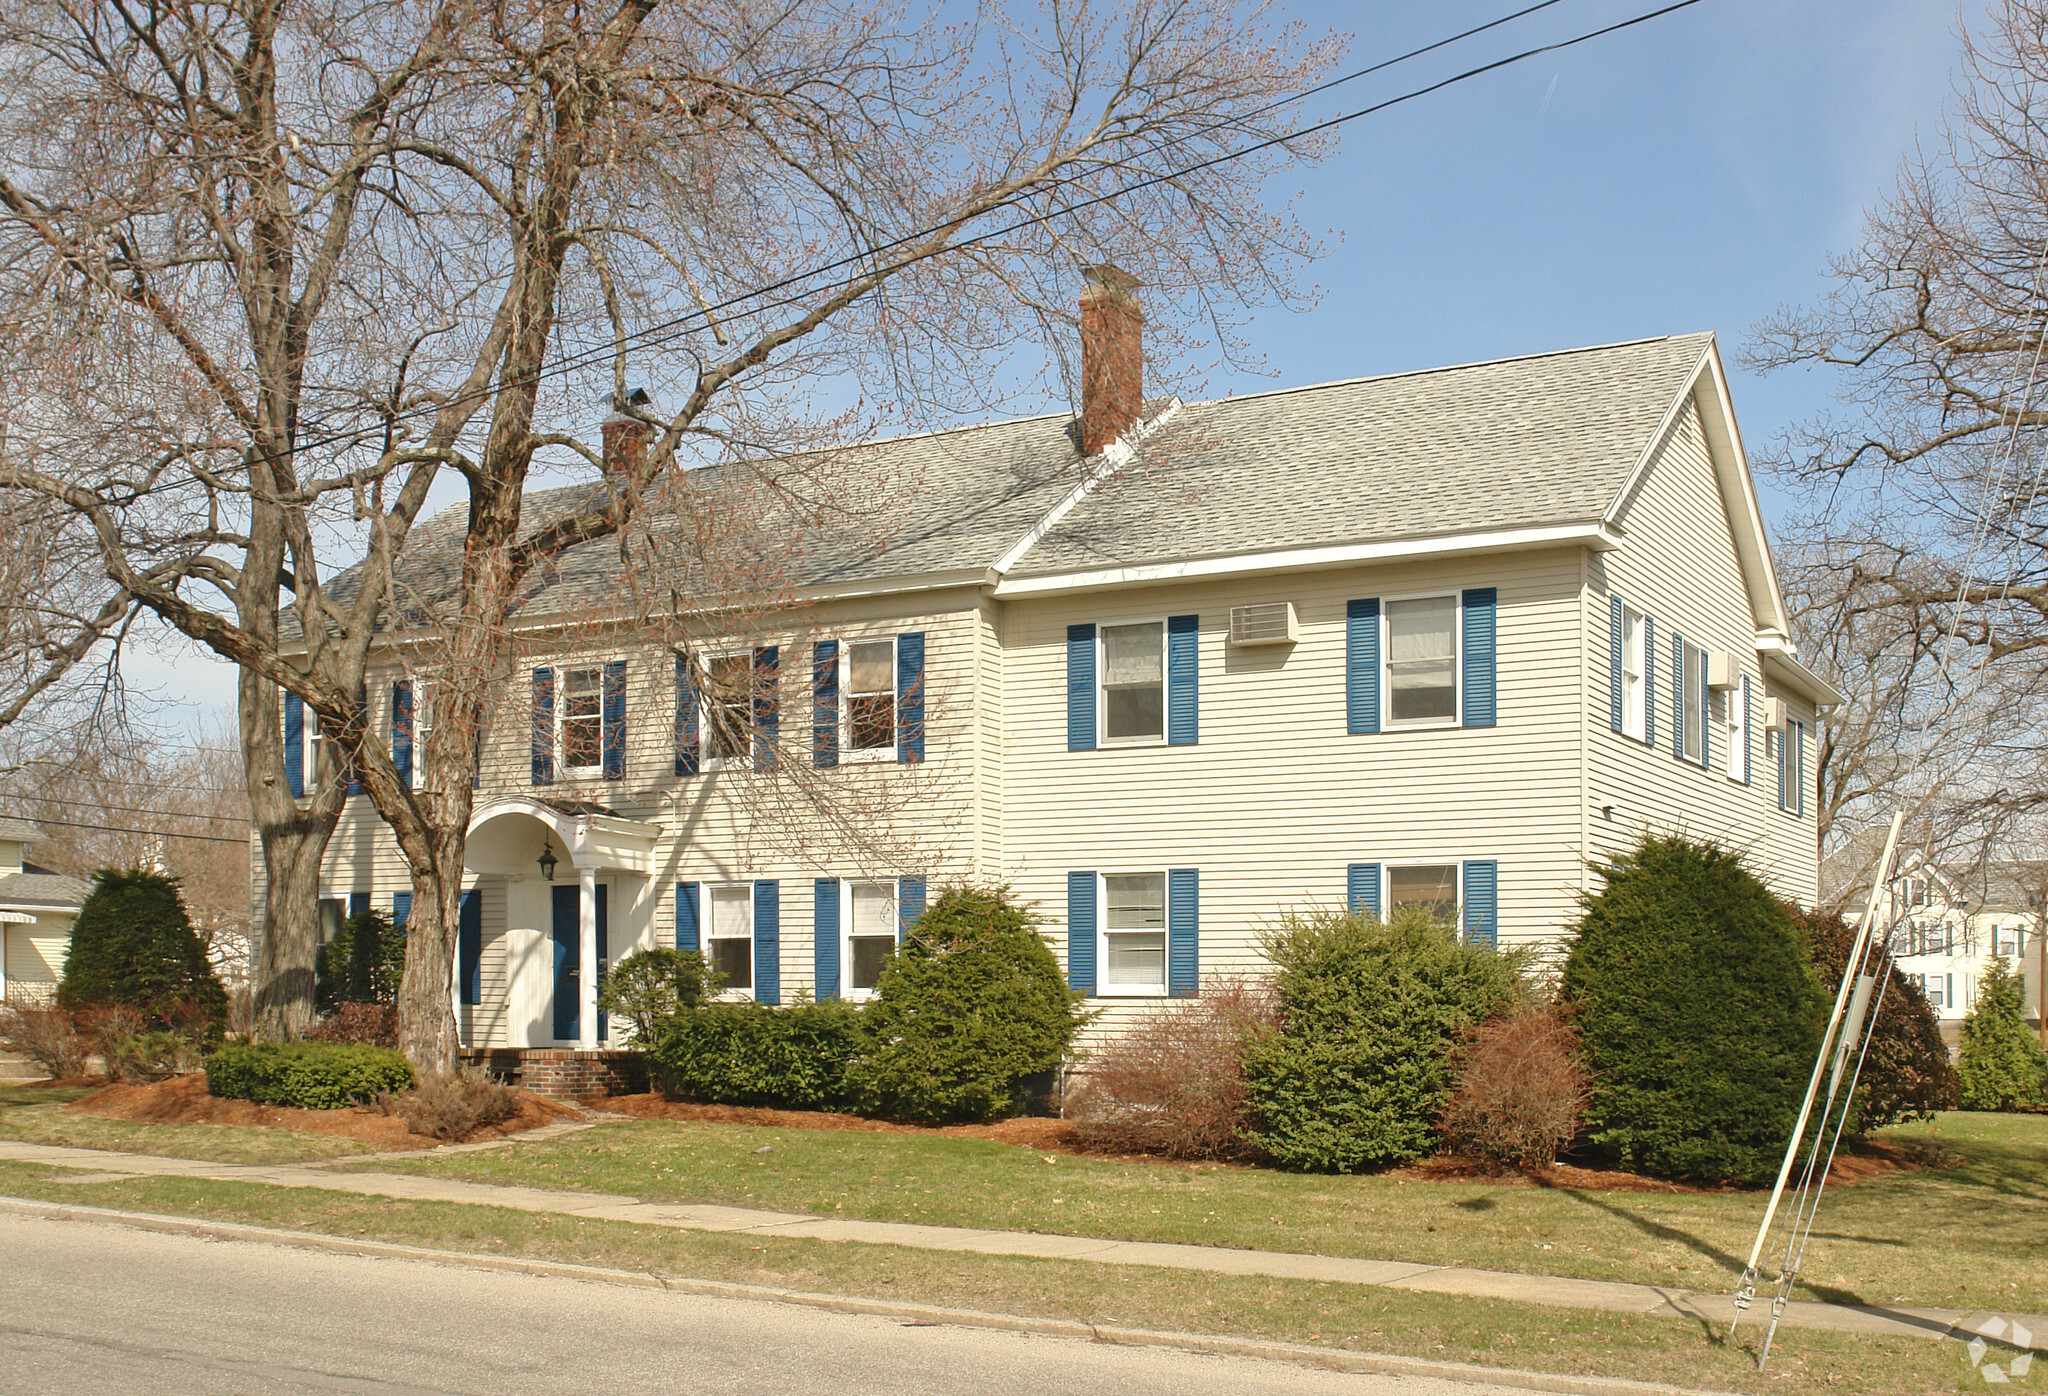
(1112, 356)
(625, 436)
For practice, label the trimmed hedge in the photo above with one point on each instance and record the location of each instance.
(1699, 1011)
(305, 1075)
(792, 1058)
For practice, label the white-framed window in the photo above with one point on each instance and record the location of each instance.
(579, 720)
(1133, 934)
(1692, 681)
(1432, 886)
(1736, 728)
(729, 935)
(869, 915)
(333, 915)
(1634, 711)
(867, 687)
(1133, 682)
(727, 725)
(1421, 661)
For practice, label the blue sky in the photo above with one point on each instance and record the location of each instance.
(1693, 173)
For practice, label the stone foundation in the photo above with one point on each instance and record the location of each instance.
(563, 1073)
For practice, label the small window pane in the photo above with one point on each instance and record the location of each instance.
(874, 909)
(728, 706)
(1135, 902)
(1133, 680)
(1422, 664)
(871, 667)
(1136, 959)
(1433, 887)
(870, 953)
(734, 961)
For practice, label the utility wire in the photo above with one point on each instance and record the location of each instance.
(31, 801)
(156, 833)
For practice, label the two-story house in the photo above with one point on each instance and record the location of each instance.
(1448, 637)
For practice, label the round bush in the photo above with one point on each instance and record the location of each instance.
(970, 1005)
(1371, 1013)
(1699, 1011)
(649, 987)
(134, 946)
(2001, 1066)
(1906, 1071)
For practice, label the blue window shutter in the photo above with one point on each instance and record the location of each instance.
(295, 745)
(689, 932)
(910, 895)
(358, 903)
(1081, 690)
(1677, 713)
(1482, 902)
(767, 708)
(1081, 928)
(1362, 665)
(469, 946)
(687, 748)
(1746, 734)
(910, 697)
(355, 784)
(1183, 932)
(1362, 889)
(543, 727)
(825, 936)
(1183, 682)
(768, 941)
(1482, 605)
(1614, 648)
(1650, 680)
(825, 703)
(401, 730)
(401, 908)
(615, 720)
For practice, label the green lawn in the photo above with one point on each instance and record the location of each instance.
(1970, 1233)
(37, 1117)
(1491, 1333)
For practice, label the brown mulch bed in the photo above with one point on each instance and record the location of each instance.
(182, 1100)
(1859, 1161)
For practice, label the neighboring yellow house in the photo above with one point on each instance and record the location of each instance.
(1450, 637)
(37, 908)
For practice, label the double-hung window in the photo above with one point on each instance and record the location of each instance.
(1422, 661)
(729, 939)
(1692, 706)
(1134, 933)
(870, 934)
(870, 688)
(581, 709)
(1634, 705)
(1134, 682)
(1431, 886)
(728, 707)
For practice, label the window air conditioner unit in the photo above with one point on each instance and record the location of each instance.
(1771, 712)
(1721, 670)
(1270, 623)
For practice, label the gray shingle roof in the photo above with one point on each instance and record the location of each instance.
(1511, 443)
(42, 889)
(19, 830)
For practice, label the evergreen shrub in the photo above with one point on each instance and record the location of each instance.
(1906, 1070)
(2001, 1066)
(1699, 1010)
(133, 946)
(1370, 1014)
(306, 1075)
(971, 1005)
(793, 1058)
(649, 987)
(364, 963)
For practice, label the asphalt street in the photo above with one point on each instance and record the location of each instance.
(88, 1309)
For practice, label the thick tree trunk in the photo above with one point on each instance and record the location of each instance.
(288, 944)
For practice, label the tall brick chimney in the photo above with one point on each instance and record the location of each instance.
(1112, 356)
(625, 436)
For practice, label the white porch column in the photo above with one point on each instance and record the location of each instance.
(586, 964)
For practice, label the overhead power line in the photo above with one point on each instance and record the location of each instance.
(154, 833)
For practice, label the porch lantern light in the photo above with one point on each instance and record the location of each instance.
(548, 860)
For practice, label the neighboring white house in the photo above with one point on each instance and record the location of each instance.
(1450, 637)
(37, 908)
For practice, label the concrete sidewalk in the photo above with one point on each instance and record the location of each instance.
(1658, 1300)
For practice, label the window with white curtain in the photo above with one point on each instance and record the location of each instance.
(870, 933)
(1134, 682)
(1633, 710)
(1422, 660)
(731, 937)
(870, 695)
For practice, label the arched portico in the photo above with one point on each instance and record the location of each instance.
(557, 939)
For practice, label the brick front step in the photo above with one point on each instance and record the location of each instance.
(563, 1073)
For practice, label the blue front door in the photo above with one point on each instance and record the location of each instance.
(567, 921)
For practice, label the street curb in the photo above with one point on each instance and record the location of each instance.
(1328, 1359)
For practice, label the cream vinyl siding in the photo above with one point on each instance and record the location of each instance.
(1276, 798)
(1679, 565)
(35, 954)
(487, 1019)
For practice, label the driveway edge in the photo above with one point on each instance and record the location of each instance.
(1330, 1359)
